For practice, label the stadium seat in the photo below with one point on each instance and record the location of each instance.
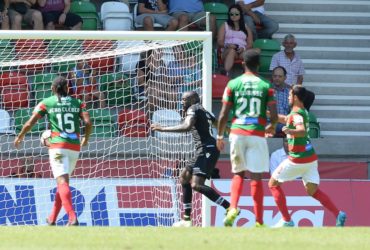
(166, 117)
(7, 53)
(133, 123)
(314, 126)
(61, 48)
(13, 78)
(117, 89)
(22, 115)
(87, 11)
(268, 48)
(43, 81)
(116, 16)
(128, 62)
(31, 49)
(219, 10)
(219, 83)
(5, 122)
(104, 63)
(139, 26)
(104, 124)
(41, 94)
(15, 97)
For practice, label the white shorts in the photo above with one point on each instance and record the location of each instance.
(288, 171)
(249, 153)
(62, 161)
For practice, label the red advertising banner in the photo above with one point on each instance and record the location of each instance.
(350, 196)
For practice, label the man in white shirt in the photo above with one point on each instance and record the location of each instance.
(254, 15)
(278, 156)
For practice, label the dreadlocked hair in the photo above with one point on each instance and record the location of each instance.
(59, 84)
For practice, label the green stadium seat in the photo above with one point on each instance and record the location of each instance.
(103, 123)
(117, 89)
(22, 115)
(87, 11)
(41, 94)
(61, 48)
(314, 126)
(268, 48)
(7, 53)
(219, 10)
(43, 81)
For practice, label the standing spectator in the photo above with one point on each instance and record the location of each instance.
(4, 18)
(199, 121)
(248, 96)
(190, 11)
(301, 162)
(290, 60)
(278, 156)
(57, 12)
(155, 11)
(281, 95)
(254, 15)
(22, 10)
(64, 114)
(234, 37)
(84, 83)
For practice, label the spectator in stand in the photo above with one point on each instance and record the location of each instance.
(4, 18)
(278, 156)
(254, 15)
(191, 11)
(234, 37)
(84, 83)
(290, 60)
(281, 95)
(22, 10)
(57, 12)
(155, 11)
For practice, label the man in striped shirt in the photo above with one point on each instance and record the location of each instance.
(248, 96)
(301, 162)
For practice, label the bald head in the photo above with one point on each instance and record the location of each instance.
(189, 98)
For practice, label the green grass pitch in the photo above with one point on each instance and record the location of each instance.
(183, 238)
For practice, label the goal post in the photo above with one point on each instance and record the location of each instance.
(127, 175)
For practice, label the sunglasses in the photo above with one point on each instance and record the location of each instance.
(234, 14)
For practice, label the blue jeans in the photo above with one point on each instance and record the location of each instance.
(269, 26)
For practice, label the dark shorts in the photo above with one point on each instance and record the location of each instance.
(53, 16)
(204, 161)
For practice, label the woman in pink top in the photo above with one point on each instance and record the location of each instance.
(234, 37)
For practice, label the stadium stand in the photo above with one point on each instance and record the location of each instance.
(87, 11)
(116, 16)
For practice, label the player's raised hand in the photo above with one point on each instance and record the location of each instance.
(156, 127)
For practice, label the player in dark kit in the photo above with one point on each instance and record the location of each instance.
(199, 121)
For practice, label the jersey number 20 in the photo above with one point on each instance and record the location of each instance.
(248, 108)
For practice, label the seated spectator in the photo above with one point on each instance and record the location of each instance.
(191, 11)
(20, 11)
(84, 84)
(57, 12)
(290, 60)
(4, 18)
(234, 37)
(281, 95)
(279, 156)
(155, 11)
(254, 15)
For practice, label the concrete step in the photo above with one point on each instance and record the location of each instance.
(342, 100)
(340, 112)
(354, 53)
(320, 17)
(336, 64)
(302, 28)
(348, 134)
(330, 88)
(339, 76)
(342, 124)
(321, 40)
(320, 6)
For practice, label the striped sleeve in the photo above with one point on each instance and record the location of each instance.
(228, 96)
(271, 96)
(40, 109)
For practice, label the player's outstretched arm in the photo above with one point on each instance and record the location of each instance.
(185, 126)
(26, 128)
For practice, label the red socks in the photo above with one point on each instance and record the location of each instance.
(236, 190)
(56, 207)
(257, 195)
(66, 198)
(280, 200)
(326, 202)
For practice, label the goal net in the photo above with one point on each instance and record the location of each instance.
(128, 174)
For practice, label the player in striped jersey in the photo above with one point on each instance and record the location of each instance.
(301, 162)
(64, 114)
(248, 96)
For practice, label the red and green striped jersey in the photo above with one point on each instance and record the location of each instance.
(64, 120)
(300, 147)
(249, 96)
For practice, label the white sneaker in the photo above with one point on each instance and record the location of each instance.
(283, 223)
(182, 223)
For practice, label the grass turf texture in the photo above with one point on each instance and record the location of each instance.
(183, 238)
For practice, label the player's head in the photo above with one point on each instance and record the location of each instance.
(252, 59)
(189, 98)
(297, 95)
(60, 86)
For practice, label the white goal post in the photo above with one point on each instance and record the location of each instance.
(129, 178)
